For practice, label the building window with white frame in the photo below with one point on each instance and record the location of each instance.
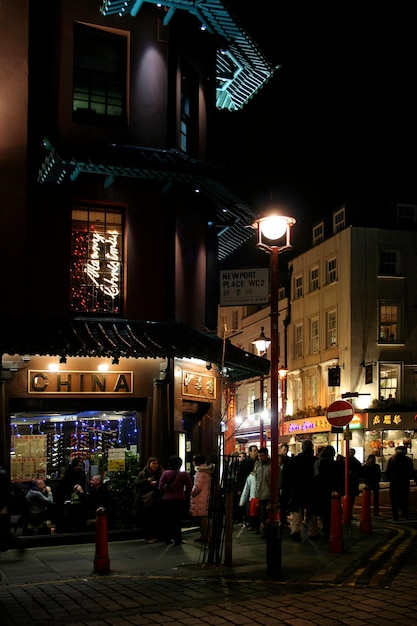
(297, 395)
(331, 329)
(406, 214)
(318, 233)
(331, 273)
(298, 286)
(390, 321)
(339, 220)
(389, 262)
(389, 374)
(312, 391)
(314, 335)
(314, 278)
(298, 341)
(250, 409)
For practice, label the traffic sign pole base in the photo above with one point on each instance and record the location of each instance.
(347, 509)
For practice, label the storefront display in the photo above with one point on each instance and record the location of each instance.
(43, 446)
(387, 430)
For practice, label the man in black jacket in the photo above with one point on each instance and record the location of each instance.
(297, 485)
(399, 472)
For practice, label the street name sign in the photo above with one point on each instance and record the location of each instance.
(244, 286)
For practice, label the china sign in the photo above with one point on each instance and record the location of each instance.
(68, 382)
(244, 286)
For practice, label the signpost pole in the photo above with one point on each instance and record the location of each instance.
(346, 500)
(340, 413)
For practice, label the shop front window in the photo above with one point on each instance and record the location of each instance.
(43, 446)
(382, 443)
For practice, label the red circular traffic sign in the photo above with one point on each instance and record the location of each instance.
(340, 413)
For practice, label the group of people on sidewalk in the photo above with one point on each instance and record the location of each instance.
(308, 481)
(164, 497)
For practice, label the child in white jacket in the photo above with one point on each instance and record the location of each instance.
(248, 495)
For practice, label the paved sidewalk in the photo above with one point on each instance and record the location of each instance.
(372, 580)
(301, 561)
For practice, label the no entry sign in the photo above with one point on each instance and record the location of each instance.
(340, 413)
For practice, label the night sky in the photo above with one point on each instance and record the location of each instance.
(338, 120)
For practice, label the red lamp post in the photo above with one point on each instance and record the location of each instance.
(282, 373)
(273, 227)
(262, 344)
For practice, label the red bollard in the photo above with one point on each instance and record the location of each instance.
(336, 528)
(366, 523)
(101, 559)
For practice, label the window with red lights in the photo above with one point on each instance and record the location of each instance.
(96, 274)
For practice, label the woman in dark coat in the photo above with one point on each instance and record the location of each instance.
(147, 503)
(328, 478)
(372, 478)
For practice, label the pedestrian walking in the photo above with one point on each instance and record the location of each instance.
(246, 466)
(7, 539)
(371, 472)
(200, 495)
(355, 470)
(263, 486)
(298, 484)
(175, 487)
(250, 502)
(399, 472)
(328, 479)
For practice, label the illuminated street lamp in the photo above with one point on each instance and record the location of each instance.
(262, 344)
(273, 227)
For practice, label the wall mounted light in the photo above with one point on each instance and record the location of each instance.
(62, 359)
(115, 360)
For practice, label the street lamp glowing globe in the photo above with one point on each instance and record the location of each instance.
(274, 227)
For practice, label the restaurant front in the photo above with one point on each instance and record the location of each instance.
(113, 412)
(319, 430)
(388, 429)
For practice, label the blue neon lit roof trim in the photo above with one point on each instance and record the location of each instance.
(241, 67)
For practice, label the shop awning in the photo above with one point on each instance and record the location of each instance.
(117, 338)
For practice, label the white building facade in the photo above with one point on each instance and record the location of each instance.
(348, 329)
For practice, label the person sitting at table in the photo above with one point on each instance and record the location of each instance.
(70, 507)
(40, 501)
(97, 496)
